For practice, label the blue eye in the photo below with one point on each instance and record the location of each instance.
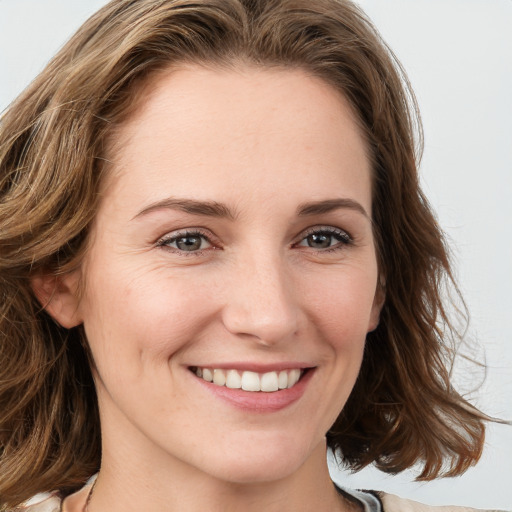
(325, 238)
(186, 242)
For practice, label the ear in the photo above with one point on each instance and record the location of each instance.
(378, 302)
(59, 297)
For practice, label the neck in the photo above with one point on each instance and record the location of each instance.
(138, 474)
(123, 487)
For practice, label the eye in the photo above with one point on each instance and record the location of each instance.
(188, 241)
(325, 238)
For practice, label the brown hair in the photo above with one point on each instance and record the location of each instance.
(403, 409)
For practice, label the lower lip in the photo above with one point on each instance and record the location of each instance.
(259, 401)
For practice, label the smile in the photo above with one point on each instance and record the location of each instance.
(250, 381)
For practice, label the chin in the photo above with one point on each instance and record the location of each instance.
(256, 472)
(260, 462)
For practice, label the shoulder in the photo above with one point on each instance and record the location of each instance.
(391, 503)
(44, 502)
(54, 502)
(378, 501)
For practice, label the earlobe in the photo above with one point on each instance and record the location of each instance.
(378, 303)
(58, 295)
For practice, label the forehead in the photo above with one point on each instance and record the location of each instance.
(241, 127)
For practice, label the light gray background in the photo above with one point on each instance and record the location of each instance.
(458, 54)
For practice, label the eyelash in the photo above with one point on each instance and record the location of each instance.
(342, 237)
(165, 241)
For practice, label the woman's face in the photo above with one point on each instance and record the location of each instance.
(233, 242)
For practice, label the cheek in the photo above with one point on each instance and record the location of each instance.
(139, 316)
(342, 307)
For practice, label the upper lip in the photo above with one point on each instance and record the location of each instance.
(255, 367)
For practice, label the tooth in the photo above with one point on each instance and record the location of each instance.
(233, 380)
(293, 377)
(250, 381)
(219, 377)
(269, 382)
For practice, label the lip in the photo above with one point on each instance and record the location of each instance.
(260, 401)
(256, 367)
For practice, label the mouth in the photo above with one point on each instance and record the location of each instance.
(268, 382)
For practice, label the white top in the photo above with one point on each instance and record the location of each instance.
(371, 501)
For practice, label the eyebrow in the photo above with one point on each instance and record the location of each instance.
(208, 208)
(219, 210)
(329, 205)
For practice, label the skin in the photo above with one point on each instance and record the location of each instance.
(262, 143)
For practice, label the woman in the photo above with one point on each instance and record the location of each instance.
(217, 261)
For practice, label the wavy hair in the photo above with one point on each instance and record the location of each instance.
(403, 410)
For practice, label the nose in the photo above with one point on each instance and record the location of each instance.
(260, 301)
